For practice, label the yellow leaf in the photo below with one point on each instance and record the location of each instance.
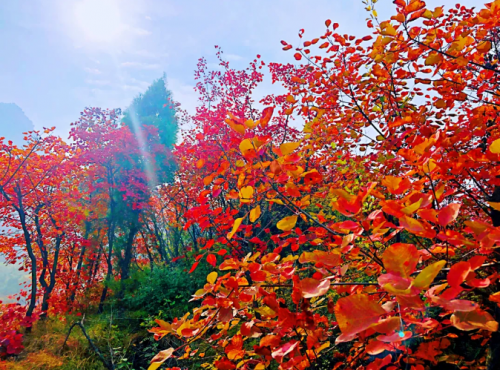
(245, 146)
(287, 223)
(246, 194)
(494, 205)
(277, 201)
(344, 194)
(388, 30)
(428, 274)
(199, 293)
(212, 277)
(427, 14)
(236, 225)
(433, 59)
(254, 214)
(437, 12)
(287, 148)
(412, 207)
(429, 166)
(495, 146)
(251, 124)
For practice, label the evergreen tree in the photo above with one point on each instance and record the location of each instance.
(155, 108)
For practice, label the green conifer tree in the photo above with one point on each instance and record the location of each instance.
(156, 108)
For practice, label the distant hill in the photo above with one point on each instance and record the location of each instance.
(13, 122)
(11, 279)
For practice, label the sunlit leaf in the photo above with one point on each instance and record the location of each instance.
(427, 275)
(236, 225)
(287, 223)
(288, 148)
(255, 214)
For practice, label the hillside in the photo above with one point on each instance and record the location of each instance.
(13, 122)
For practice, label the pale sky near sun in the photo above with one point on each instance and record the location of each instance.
(59, 56)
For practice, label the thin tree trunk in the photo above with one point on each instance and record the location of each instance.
(111, 236)
(29, 248)
(52, 282)
(80, 263)
(494, 360)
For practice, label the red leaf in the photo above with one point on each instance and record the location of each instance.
(297, 56)
(211, 259)
(284, 350)
(314, 288)
(356, 313)
(266, 115)
(458, 273)
(448, 214)
(195, 265)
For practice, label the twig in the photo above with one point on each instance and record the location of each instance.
(108, 365)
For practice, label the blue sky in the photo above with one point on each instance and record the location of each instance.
(59, 56)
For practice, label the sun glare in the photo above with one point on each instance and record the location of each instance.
(98, 21)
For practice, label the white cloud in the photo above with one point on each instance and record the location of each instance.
(140, 31)
(233, 57)
(98, 82)
(93, 71)
(184, 93)
(139, 65)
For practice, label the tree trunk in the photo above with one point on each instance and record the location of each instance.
(52, 282)
(111, 236)
(127, 259)
(80, 263)
(494, 361)
(29, 248)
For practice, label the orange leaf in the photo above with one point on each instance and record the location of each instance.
(477, 319)
(356, 313)
(401, 259)
(495, 297)
(200, 163)
(433, 59)
(266, 115)
(160, 358)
